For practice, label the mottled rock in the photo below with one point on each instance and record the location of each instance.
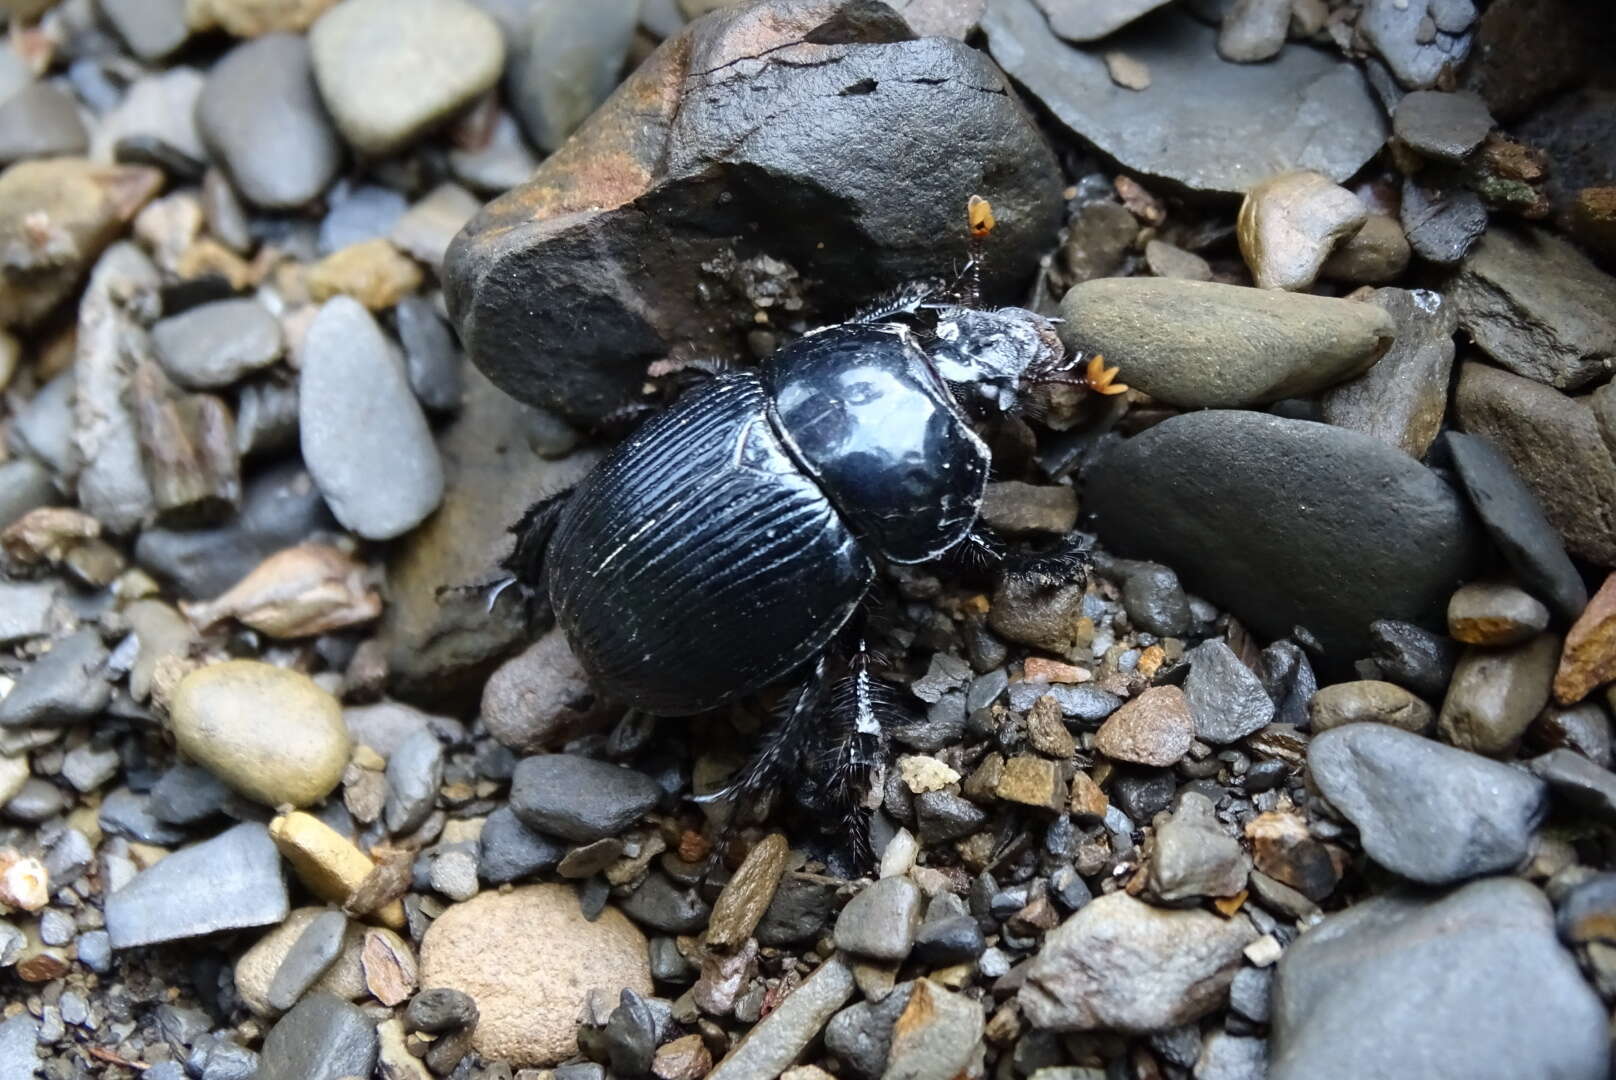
(1368, 701)
(1385, 538)
(1427, 811)
(66, 685)
(1122, 965)
(1590, 648)
(1289, 224)
(536, 276)
(527, 958)
(230, 882)
(1418, 40)
(1253, 30)
(1228, 346)
(1156, 728)
(1441, 220)
(1203, 122)
(880, 922)
(937, 1036)
(541, 697)
(1553, 442)
(1493, 613)
(746, 896)
(1195, 856)
(1402, 399)
(1227, 699)
(1423, 975)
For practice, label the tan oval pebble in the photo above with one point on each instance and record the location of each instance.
(257, 966)
(271, 734)
(528, 957)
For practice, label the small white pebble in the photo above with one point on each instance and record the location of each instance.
(1264, 951)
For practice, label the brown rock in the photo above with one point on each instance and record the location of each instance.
(685, 1058)
(1046, 729)
(1491, 613)
(374, 272)
(1170, 260)
(1497, 693)
(1403, 398)
(1153, 729)
(1283, 849)
(1589, 659)
(302, 591)
(56, 217)
(1040, 669)
(188, 444)
(391, 974)
(1374, 255)
(328, 863)
(741, 904)
(1290, 223)
(1089, 803)
(1031, 781)
(528, 957)
(1098, 238)
(250, 18)
(1368, 701)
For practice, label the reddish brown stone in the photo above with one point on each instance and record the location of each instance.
(1589, 657)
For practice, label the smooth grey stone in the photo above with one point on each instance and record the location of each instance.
(431, 357)
(502, 163)
(1227, 699)
(188, 795)
(68, 857)
(40, 121)
(366, 212)
(1384, 537)
(414, 772)
(572, 57)
(1496, 693)
(280, 507)
(1195, 856)
(158, 114)
(578, 798)
(440, 1009)
(95, 951)
(1442, 125)
(1553, 442)
(38, 800)
(67, 684)
(43, 427)
(128, 813)
(1203, 122)
(881, 920)
(1154, 599)
(19, 1039)
(861, 1034)
(1429, 812)
(1403, 399)
(264, 123)
(153, 29)
(1226, 1056)
(233, 881)
(323, 1038)
(1538, 306)
(1089, 20)
(1428, 978)
(315, 950)
(24, 485)
(942, 816)
(364, 437)
(1250, 993)
(214, 345)
(1578, 781)
(509, 851)
(228, 1061)
(87, 767)
(1418, 39)
(664, 906)
(779, 1038)
(385, 726)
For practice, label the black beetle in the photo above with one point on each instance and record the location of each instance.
(725, 544)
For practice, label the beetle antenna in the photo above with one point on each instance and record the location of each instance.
(980, 221)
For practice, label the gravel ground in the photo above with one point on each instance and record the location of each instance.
(303, 302)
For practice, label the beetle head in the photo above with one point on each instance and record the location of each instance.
(990, 359)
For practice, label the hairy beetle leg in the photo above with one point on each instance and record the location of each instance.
(1069, 561)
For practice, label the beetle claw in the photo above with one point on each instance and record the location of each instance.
(1102, 379)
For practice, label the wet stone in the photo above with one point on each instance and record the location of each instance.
(748, 893)
(363, 435)
(1195, 856)
(579, 799)
(1402, 399)
(1154, 599)
(662, 905)
(323, 1038)
(1441, 125)
(1226, 697)
(799, 910)
(1376, 254)
(1491, 613)
(232, 881)
(315, 950)
(1368, 701)
(880, 922)
(1578, 781)
(1430, 812)
(215, 345)
(263, 122)
(1441, 223)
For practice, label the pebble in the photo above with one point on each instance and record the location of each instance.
(1155, 728)
(257, 967)
(251, 18)
(430, 357)
(527, 957)
(1368, 701)
(24, 485)
(1418, 40)
(936, 1037)
(661, 905)
(230, 882)
(127, 813)
(1429, 812)
(1403, 398)
(1538, 307)
(13, 775)
(270, 733)
(218, 344)
(428, 226)
(364, 437)
(774, 1043)
(1016, 509)
(509, 851)
(1203, 122)
(570, 60)
(1099, 237)
(19, 1036)
(1385, 537)
(327, 862)
(1423, 974)
(414, 772)
(1268, 344)
(1194, 855)
(1589, 659)
(880, 921)
(1232, 1057)
(1226, 698)
(1290, 223)
(1553, 442)
(1578, 781)
(1492, 613)
(1080, 21)
(1121, 965)
(1374, 255)
(1496, 693)
(40, 121)
(580, 799)
(1441, 223)
(1254, 30)
(323, 1038)
(392, 70)
(748, 893)
(1446, 126)
(66, 685)
(153, 29)
(540, 697)
(314, 951)
(359, 213)
(88, 767)
(261, 118)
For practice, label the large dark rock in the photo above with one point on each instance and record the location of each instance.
(1203, 122)
(787, 159)
(1288, 523)
(1470, 985)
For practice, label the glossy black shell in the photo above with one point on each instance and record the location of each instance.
(699, 562)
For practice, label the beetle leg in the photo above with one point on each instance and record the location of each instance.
(1067, 562)
(533, 532)
(853, 739)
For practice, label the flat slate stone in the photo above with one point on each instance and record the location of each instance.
(230, 882)
(1288, 523)
(1203, 122)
